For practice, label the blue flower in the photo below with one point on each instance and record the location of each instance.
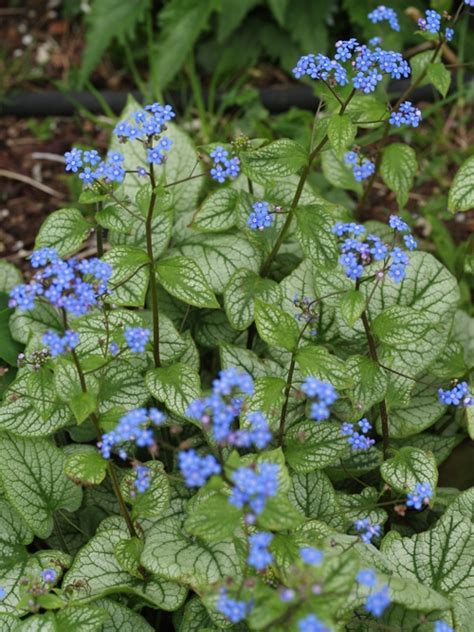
(378, 601)
(459, 395)
(137, 338)
(431, 22)
(259, 556)
(381, 14)
(311, 556)
(232, 609)
(3, 592)
(367, 577)
(261, 217)
(73, 160)
(197, 469)
(253, 486)
(287, 594)
(59, 344)
(224, 167)
(133, 427)
(398, 224)
(407, 115)
(367, 530)
(143, 478)
(311, 623)
(420, 496)
(49, 575)
(325, 395)
(440, 625)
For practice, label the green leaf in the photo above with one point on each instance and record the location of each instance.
(408, 467)
(22, 416)
(155, 500)
(275, 326)
(317, 361)
(313, 494)
(311, 445)
(121, 619)
(128, 553)
(82, 405)
(240, 358)
(351, 306)
(64, 230)
(399, 324)
(240, 293)
(108, 19)
(398, 168)
(279, 514)
(86, 467)
(461, 194)
(40, 389)
(370, 383)
(440, 558)
(9, 276)
(314, 233)
(220, 255)
(25, 326)
(176, 386)
(129, 280)
(218, 211)
(121, 384)
(278, 8)
(115, 218)
(97, 566)
(181, 23)
(341, 133)
(171, 554)
(32, 475)
(419, 63)
(213, 518)
(365, 108)
(268, 398)
(9, 349)
(278, 159)
(184, 279)
(81, 618)
(440, 77)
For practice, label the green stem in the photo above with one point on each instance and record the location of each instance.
(153, 286)
(110, 468)
(284, 408)
(299, 190)
(198, 98)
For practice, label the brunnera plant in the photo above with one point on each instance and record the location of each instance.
(236, 409)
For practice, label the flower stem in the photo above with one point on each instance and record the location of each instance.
(296, 198)
(151, 264)
(284, 408)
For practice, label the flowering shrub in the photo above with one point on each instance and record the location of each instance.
(236, 409)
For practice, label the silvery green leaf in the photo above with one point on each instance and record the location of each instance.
(240, 293)
(311, 445)
(408, 467)
(32, 475)
(184, 279)
(176, 386)
(9, 276)
(63, 230)
(233, 356)
(120, 618)
(25, 326)
(218, 211)
(130, 275)
(152, 502)
(96, 572)
(313, 493)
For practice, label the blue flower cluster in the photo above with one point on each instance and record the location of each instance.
(59, 344)
(324, 395)
(259, 556)
(49, 575)
(110, 170)
(378, 600)
(407, 114)
(362, 168)
(311, 623)
(470, 3)
(220, 410)
(368, 65)
(382, 14)
(252, 486)
(358, 440)
(420, 496)
(367, 530)
(133, 427)
(431, 22)
(307, 312)
(261, 217)
(232, 609)
(440, 625)
(73, 285)
(197, 469)
(137, 338)
(143, 478)
(144, 124)
(3, 592)
(311, 556)
(224, 167)
(459, 395)
(321, 67)
(355, 254)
